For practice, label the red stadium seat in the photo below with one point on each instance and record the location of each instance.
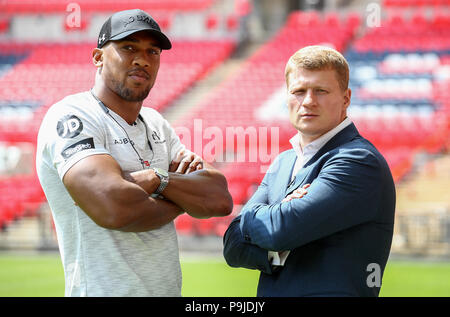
(212, 21)
(232, 22)
(205, 227)
(184, 224)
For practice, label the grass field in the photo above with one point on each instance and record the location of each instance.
(42, 275)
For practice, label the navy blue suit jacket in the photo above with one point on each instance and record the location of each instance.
(339, 233)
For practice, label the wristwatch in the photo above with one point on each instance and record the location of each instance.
(163, 177)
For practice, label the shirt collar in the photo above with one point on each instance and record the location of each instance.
(313, 147)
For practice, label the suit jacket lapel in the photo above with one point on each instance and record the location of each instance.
(285, 172)
(298, 180)
(346, 135)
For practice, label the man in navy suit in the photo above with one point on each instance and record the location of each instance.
(321, 221)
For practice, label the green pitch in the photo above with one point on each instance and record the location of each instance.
(42, 275)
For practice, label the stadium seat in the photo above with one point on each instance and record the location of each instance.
(212, 21)
(184, 224)
(205, 227)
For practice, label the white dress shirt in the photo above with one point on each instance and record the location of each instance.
(303, 156)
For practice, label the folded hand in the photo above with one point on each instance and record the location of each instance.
(298, 193)
(186, 162)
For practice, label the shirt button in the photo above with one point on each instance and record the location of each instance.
(247, 238)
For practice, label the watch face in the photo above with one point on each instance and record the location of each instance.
(161, 172)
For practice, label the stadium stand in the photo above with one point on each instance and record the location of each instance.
(236, 101)
(34, 75)
(398, 101)
(52, 6)
(400, 83)
(396, 86)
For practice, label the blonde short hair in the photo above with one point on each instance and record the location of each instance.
(316, 57)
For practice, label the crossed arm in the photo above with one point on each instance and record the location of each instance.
(121, 201)
(241, 252)
(344, 194)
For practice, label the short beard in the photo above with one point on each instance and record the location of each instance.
(128, 94)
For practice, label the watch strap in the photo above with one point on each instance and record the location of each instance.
(164, 181)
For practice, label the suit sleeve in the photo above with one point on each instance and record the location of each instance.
(344, 194)
(237, 251)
